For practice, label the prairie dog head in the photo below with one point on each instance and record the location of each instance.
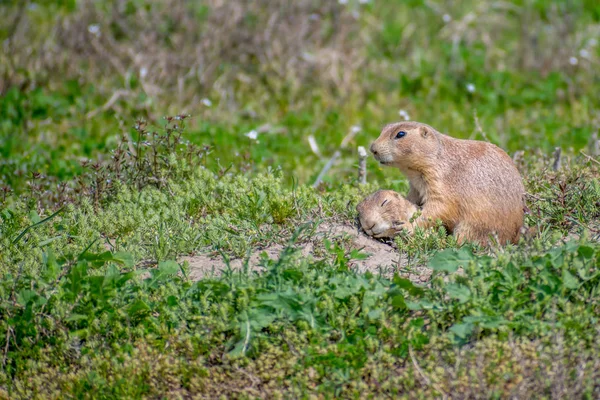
(383, 213)
(405, 145)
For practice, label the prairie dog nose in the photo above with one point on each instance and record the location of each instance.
(372, 148)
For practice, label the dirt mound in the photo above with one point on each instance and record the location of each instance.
(382, 258)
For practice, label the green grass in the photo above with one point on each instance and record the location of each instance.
(99, 198)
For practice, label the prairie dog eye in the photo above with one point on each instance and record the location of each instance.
(400, 134)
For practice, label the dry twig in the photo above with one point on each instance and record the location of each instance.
(590, 158)
(427, 381)
(557, 156)
(113, 99)
(336, 155)
(362, 165)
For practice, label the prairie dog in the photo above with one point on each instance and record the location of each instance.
(473, 187)
(384, 213)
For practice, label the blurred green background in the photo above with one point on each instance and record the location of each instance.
(75, 75)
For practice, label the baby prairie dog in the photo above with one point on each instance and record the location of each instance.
(473, 187)
(384, 213)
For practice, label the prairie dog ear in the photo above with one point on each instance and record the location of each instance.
(424, 131)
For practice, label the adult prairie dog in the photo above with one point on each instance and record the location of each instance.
(473, 187)
(384, 213)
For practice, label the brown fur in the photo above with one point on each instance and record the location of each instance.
(473, 187)
(384, 213)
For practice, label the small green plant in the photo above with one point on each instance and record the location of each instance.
(420, 244)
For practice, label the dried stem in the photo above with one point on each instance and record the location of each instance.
(557, 161)
(590, 158)
(336, 155)
(362, 165)
(427, 381)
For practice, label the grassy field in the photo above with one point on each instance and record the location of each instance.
(134, 133)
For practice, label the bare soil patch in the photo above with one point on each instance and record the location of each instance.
(382, 257)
